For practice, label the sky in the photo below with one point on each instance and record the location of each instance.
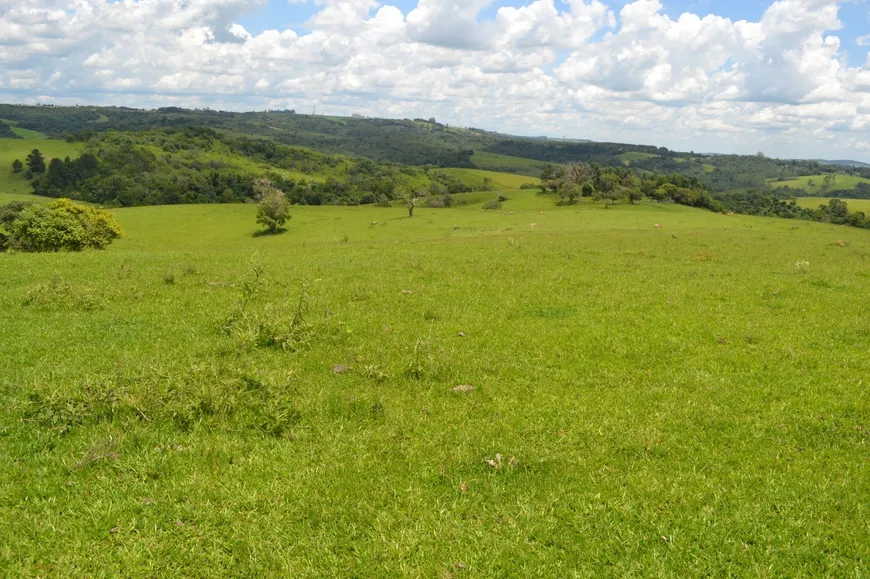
(790, 78)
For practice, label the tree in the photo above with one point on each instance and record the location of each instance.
(17, 166)
(35, 162)
(274, 209)
(410, 199)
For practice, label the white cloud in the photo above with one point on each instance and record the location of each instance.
(573, 67)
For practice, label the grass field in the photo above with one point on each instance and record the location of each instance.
(677, 401)
(842, 181)
(862, 205)
(11, 149)
(507, 163)
(503, 180)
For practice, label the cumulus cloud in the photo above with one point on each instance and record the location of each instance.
(559, 67)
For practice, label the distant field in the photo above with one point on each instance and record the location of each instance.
(496, 162)
(635, 156)
(504, 180)
(854, 204)
(842, 181)
(25, 133)
(11, 149)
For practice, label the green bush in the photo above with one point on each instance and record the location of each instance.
(59, 225)
(493, 205)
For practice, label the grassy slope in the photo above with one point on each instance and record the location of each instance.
(495, 162)
(16, 186)
(843, 182)
(854, 204)
(681, 401)
(503, 180)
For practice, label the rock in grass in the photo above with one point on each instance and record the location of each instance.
(339, 369)
(463, 388)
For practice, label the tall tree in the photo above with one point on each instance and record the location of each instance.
(35, 162)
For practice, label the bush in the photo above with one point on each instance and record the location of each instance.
(274, 210)
(493, 205)
(60, 225)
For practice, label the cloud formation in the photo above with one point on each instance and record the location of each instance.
(564, 68)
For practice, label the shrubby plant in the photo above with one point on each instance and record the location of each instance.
(61, 225)
(274, 209)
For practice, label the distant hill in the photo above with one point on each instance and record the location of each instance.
(843, 163)
(423, 143)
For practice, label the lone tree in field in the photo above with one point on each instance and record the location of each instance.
(274, 209)
(35, 162)
(17, 166)
(410, 199)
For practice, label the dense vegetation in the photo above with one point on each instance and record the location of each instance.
(769, 204)
(200, 165)
(56, 226)
(6, 132)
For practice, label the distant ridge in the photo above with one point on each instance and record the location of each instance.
(843, 163)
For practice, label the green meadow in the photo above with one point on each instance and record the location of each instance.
(518, 165)
(477, 177)
(647, 390)
(854, 204)
(815, 183)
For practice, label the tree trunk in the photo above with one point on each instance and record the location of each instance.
(410, 211)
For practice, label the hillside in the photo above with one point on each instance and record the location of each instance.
(421, 142)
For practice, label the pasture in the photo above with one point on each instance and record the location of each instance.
(815, 183)
(507, 163)
(499, 180)
(862, 205)
(542, 391)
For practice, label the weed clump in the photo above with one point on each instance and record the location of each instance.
(59, 294)
(274, 325)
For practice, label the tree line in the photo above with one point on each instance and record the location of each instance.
(200, 165)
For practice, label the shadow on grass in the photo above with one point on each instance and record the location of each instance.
(267, 233)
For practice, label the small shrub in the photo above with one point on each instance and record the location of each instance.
(169, 278)
(493, 205)
(188, 269)
(274, 209)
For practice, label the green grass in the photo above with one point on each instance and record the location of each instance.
(507, 163)
(854, 204)
(504, 180)
(11, 149)
(842, 182)
(677, 401)
(24, 133)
